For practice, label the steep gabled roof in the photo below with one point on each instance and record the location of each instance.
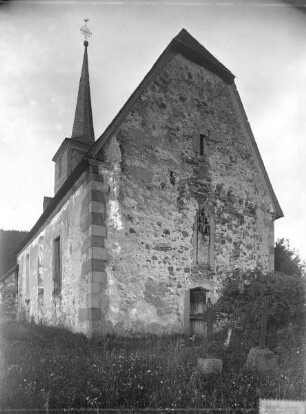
(184, 44)
(189, 47)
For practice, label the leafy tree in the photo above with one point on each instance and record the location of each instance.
(243, 293)
(287, 260)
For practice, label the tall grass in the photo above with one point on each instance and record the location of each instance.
(52, 368)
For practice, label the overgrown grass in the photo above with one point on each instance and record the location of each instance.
(48, 368)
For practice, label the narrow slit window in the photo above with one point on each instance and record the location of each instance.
(57, 266)
(202, 138)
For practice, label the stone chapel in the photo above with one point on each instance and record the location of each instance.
(147, 219)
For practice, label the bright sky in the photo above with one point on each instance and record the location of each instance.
(41, 55)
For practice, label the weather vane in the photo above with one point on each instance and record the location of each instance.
(86, 31)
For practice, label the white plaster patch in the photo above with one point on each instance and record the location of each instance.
(114, 215)
(110, 279)
(144, 312)
(114, 309)
(112, 178)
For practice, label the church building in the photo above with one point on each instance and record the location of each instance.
(147, 220)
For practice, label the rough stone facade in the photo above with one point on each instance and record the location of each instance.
(159, 182)
(172, 200)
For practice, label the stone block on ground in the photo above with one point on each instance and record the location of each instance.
(210, 365)
(261, 360)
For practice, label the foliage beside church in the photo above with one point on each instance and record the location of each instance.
(243, 293)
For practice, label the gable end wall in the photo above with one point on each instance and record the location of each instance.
(157, 185)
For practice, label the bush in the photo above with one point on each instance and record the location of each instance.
(288, 260)
(243, 294)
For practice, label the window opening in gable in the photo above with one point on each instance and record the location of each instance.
(202, 138)
(172, 178)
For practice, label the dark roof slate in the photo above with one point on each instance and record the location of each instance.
(83, 130)
(193, 50)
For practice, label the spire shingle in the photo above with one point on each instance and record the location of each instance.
(83, 130)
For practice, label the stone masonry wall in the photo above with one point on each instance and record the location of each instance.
(77, 222)
(158, 182)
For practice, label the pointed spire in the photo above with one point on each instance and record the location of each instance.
(83, 130)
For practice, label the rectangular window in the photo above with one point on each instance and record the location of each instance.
(57, 266)
(27, 274)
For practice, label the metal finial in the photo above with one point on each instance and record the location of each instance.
(85, 32)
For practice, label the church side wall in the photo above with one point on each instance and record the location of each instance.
(157, 186)
(70, 222)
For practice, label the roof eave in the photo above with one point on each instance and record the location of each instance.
(278, 211)
(202, 60)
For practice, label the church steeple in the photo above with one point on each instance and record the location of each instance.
(83, 130)
(73, 149)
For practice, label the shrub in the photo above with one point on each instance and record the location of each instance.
(288, 260)
(243, 293)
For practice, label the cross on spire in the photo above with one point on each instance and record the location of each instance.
(82, 130)
(85, 32)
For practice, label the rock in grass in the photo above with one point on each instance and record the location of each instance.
(261, 360)
(209, 365)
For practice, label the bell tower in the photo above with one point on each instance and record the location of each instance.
(73, 149)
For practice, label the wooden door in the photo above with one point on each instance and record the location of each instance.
(197, 309)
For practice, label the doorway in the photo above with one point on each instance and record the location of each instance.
(197, 311)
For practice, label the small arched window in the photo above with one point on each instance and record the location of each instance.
(204, 239)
